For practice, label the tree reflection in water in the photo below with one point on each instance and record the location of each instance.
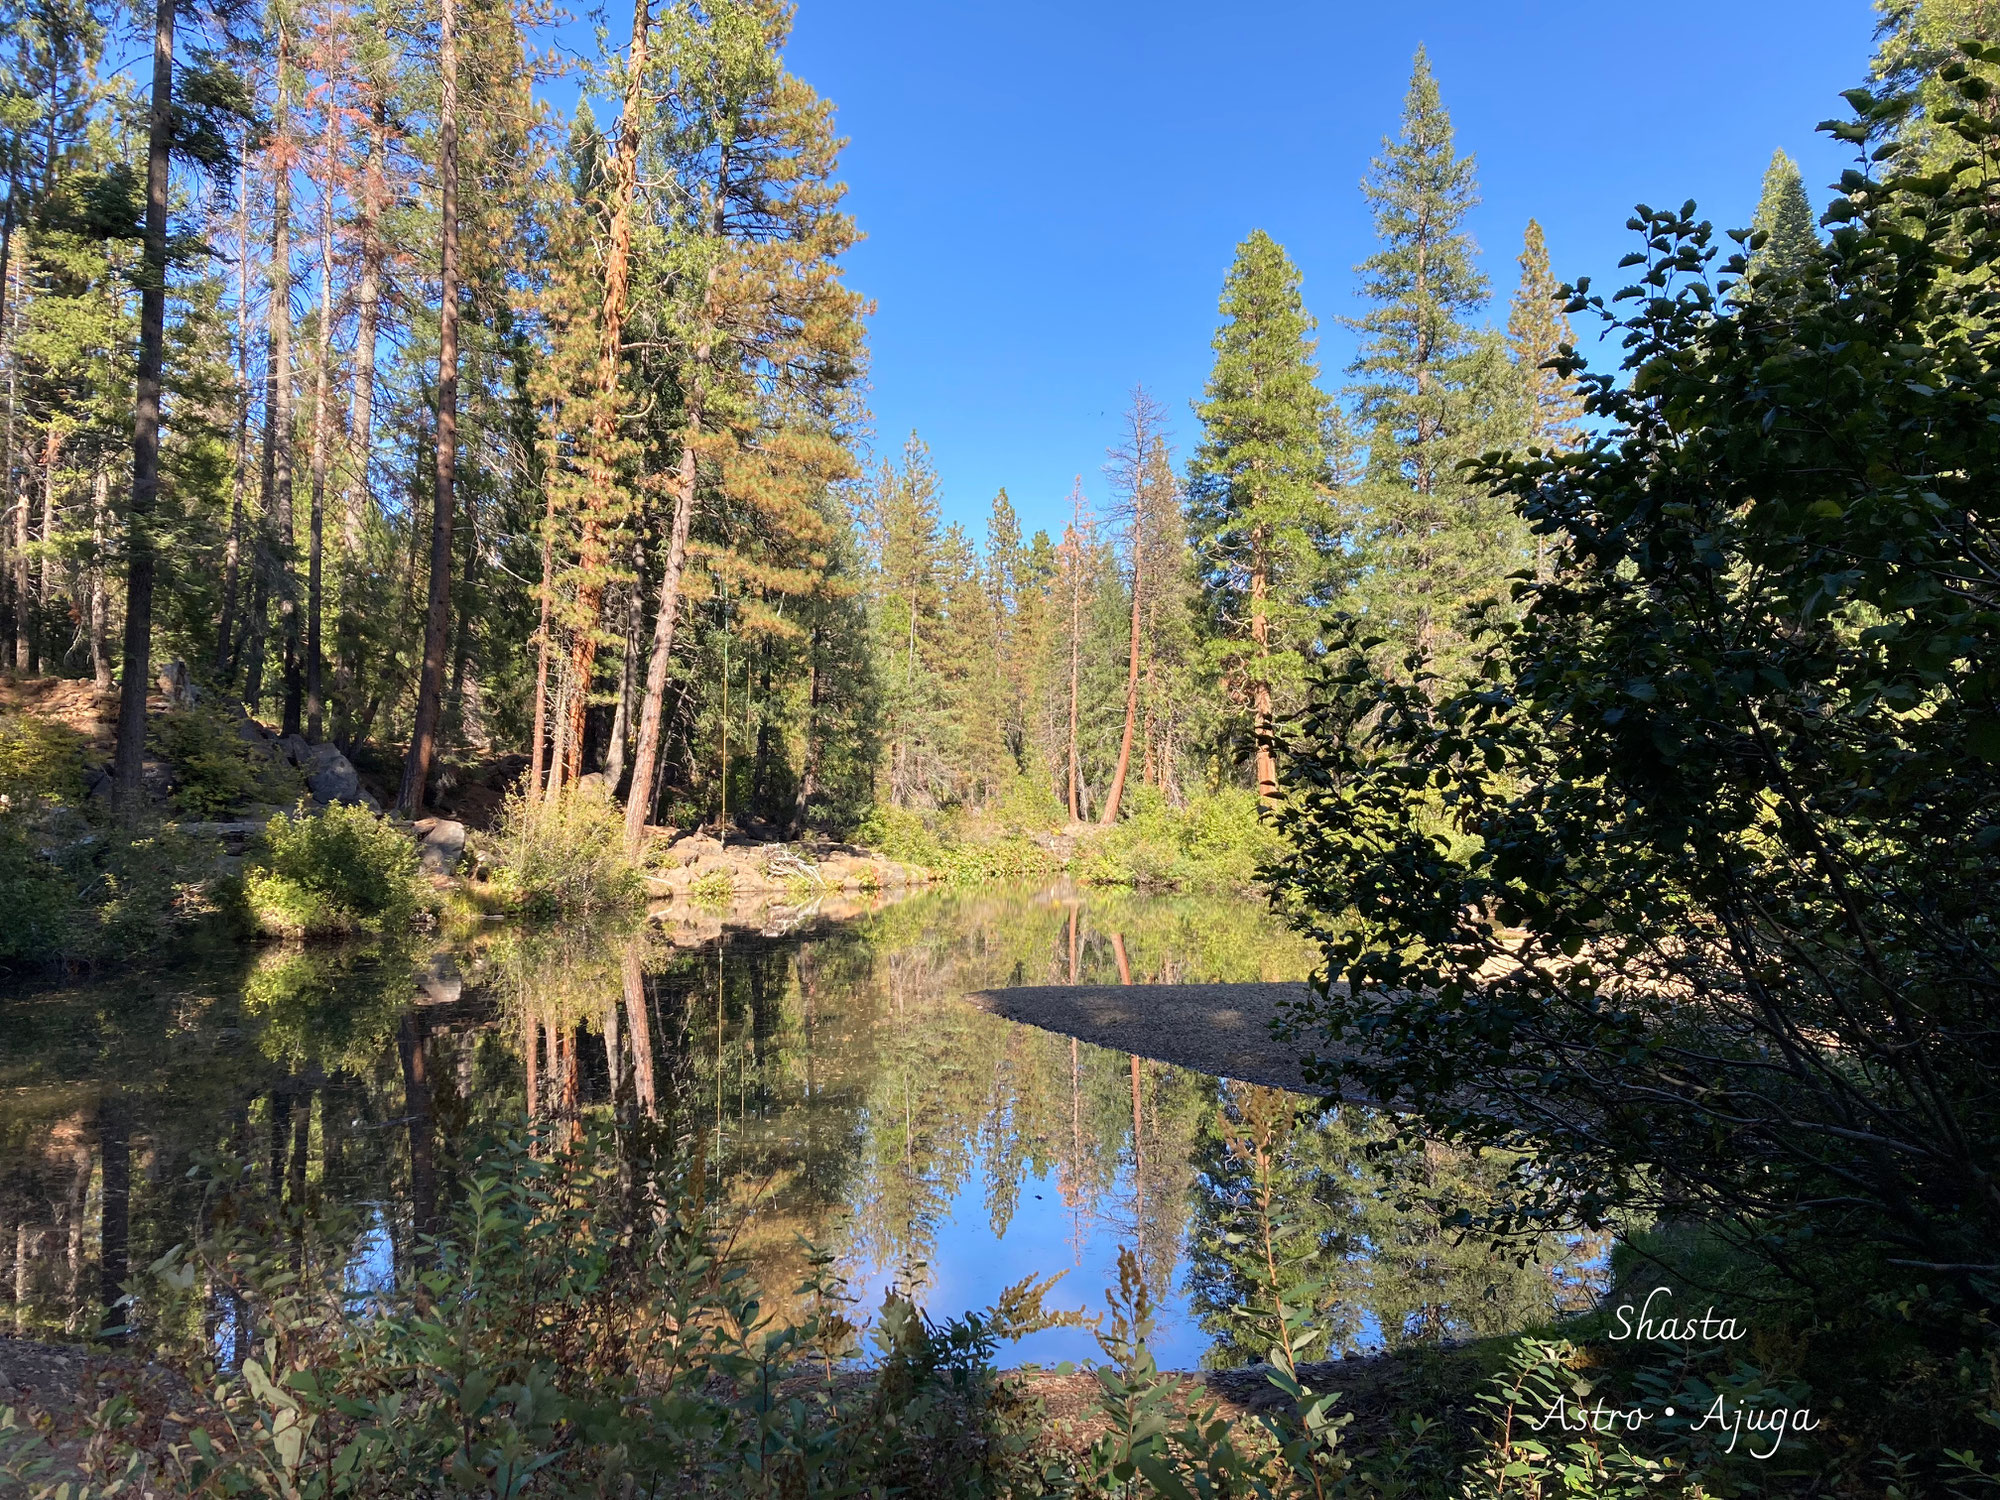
(834, 1090)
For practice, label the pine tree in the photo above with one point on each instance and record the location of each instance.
(1257, 487)
(1537, 331)
(1433, 391)
(1135, 470)
(1916, 39)
(751, 305)
(1783, 232)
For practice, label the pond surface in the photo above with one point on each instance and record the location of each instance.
(837, 1090)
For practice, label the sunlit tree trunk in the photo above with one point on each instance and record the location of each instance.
(100, 589)
(639, 800)
(232, 565)
(274, 531)
(430, 682)
(599, 480)
(322, 379)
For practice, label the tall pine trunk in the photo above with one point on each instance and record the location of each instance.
(275, 532)
(430, 682)
(322, 377)
(16, 653)
(361, 412)
(539, 735)
(1260, 685)
(1111, 802)
(367, 304)
(1075, 661)
(100, 589)
(232, 564)
(600, 485)
(282, 486)
(127, 793)
(639, 800)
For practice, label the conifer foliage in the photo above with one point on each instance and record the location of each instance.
(478, 432)
(1260, 517)
(1785, 236)
(1432, 391)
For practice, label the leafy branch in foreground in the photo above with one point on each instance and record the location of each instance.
(1690, 898)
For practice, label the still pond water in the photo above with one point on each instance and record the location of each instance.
(842, 1093)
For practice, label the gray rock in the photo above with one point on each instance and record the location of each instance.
(175, 686)
(330, 776)
(440, 980)
(156, 777)
(251, 732)
(695, 846)
(295, 748)
(442, 846)
(367, 800)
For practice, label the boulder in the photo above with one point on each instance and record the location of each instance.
(696, 846)
(251, 732)
(330, 776)
(175, 685)
(295, 748)
(441, 846)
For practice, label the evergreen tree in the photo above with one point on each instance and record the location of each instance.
(1915, 39)
(1262, 524)
(744, 291)
(1785, 237)
(1432, 392)
(1537, 331)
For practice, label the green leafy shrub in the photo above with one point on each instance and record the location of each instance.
(320, 875)
(1217, 842)
(958, 846)
(215, 770)
(38, 895)
(716, 888)
(40, 758)
(566, 857)
(900, 833)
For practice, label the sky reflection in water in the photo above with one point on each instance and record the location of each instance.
(841, 1092)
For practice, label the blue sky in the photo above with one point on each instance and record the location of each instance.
(1052, 191)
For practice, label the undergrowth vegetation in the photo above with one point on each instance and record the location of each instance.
(216, 771)
(565, 856)
(77, 889)
(578, 1324)
(328, 874)
(1215, 842)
